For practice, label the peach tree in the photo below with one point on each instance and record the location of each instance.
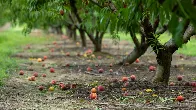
(151, 18)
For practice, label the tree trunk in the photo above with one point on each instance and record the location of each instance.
(164, 58)
(74, 34)
(59, 30)
(135, 54)
(98, 44)
(97, 47)
(83, 37)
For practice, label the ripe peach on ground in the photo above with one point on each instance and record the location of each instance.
(65, 86)
(111, 70)
(32, 78)
(52, 70)
(100, 70)
(93, 90)
(21, 72)
(152, 68)
(124, 89)
(93, 96)
(187, 83)
(89, 69)
(41, 88)
(67, 65)
(43, 75)
(89, 51)
(180, 98)
(53, 82)
(171, 84)
(100, 88)
(73, 86)
(39, 60)
(111, 64)
(35, 74)
(29, 78)
(67, 54)
(51, 88)
(124, 79)
(193, 84)
(45, 57)
(60, 84)
(133, 78)
(179, 77)
(137, 60)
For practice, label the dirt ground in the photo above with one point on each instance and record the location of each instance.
(20, 94)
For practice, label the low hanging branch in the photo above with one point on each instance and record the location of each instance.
(135, 40)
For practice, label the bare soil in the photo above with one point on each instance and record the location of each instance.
(20, 94)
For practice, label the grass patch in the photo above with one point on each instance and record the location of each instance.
(189, 48)
(10, 43)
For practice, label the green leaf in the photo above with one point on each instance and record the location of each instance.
(176, 27)
(113, 23)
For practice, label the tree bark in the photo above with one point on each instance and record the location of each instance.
(97, 45)
(136, 53)
(98, 41)
(59, 30)
(74, 34)
(83, 37)
(164, 58)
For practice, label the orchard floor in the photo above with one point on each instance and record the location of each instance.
(20, 94)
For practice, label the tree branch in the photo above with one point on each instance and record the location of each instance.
(96, 3)
(156, 24)
(90, 36)
(74, 10)
(135, 40)
(186, 37)
(151, 39)
(112, 6)
(162, 30)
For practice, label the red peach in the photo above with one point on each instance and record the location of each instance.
(41, 88)
(100, 88)
(124, 79)
(53, 82)
(43, 75)
(35, 74)
(21, 72)
(52, 70)
(89, 69)
(179, 78)
(137, 60)
(152, 68)
(133, 78)
(180, 98)
(100, 70)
